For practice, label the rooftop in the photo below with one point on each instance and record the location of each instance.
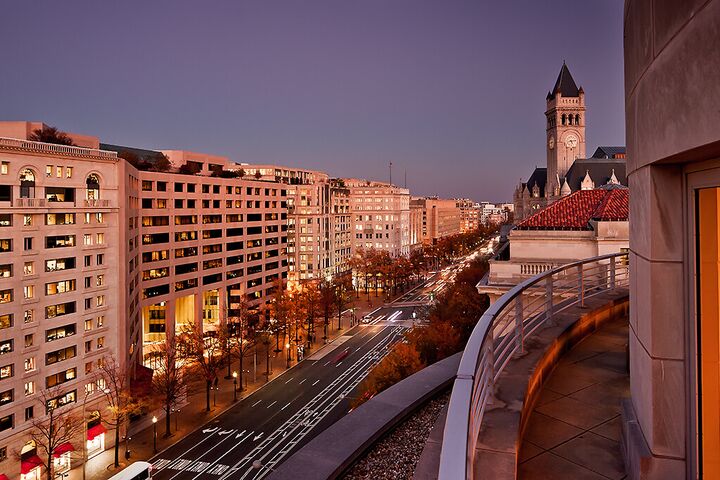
(577, 210)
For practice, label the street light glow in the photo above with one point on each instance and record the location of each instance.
(154, 419)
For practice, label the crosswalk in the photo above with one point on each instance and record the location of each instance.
(194, 466)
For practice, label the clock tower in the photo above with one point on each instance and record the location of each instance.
(565, 116)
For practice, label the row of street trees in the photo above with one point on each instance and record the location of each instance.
(377, 270)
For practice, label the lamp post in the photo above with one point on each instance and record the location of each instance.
(234, 375)
(154, 420)
(287, 347)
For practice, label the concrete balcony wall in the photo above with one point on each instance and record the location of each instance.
(670, 54)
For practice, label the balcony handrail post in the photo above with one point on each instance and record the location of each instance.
(549, 283)
(581, 286)
(612, 273)
(519, 340)
(490, 355)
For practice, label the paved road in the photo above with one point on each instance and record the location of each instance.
(248, 440)
(269, 424)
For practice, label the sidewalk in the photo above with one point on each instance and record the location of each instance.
(193, 415)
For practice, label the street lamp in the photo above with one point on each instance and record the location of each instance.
(287, 347)
(234, 375)
(154, 420)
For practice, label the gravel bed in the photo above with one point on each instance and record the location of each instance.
(394, 457)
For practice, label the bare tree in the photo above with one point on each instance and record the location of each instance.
(115, 384)
(203, 354)
(58, 427)
(168, 382)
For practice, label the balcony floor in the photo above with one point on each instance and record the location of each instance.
(574, 429)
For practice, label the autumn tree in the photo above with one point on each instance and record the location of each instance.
(57, 427)
(203, 354)
(402, 361)
(120, 402)
(343, 293)
(310, 297)
(49, 134)
(168, 381)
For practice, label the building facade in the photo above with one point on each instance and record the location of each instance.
(671, 424)
(469, 214)
(62, 232)
(318, 218)
(440, 218)
(99, 259)
(379, 216)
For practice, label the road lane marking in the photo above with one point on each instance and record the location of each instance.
(315, 383)
(303, 381)
(285, 437)
(254, 404)
(273, 403)
(283, 408)
(201, 456)
(289, 380)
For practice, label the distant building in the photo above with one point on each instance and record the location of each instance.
(440, 218)
(583, 224)
(567, 170)
(379, 215)
(318, 209)
(469, 214)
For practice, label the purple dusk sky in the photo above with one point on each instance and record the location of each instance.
(451, 91)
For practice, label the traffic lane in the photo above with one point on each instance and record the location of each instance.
(264, 410)
(296, 431)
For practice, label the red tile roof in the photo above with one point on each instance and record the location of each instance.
(575, 211)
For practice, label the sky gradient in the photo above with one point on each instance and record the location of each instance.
(453, 92)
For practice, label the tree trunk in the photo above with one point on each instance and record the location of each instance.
(167, 419)
(241, 369)
(117, 444)
(208, 385)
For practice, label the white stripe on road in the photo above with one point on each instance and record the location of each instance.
(273, 403)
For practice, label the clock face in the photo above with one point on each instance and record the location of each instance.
(571, 141)
(551, 143)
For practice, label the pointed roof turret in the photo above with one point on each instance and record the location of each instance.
(613, 179)
(565, 84)
(587, 182)
(565, 190)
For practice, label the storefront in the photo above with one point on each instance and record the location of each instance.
(95, 437)
(30, 464)
(61, 458)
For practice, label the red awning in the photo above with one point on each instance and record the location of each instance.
(95, 431)
(64, 448)
(30, 464)
(3, 476)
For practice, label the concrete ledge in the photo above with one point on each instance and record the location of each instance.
(519, 385)
(334, 450)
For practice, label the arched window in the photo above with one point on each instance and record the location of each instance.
(577, 119)
(564, 118)
(570, 119)
(93, 187)
(27, 184)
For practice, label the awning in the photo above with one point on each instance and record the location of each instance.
(30, 464)
(95, 431)
(3, 476)
(64, 448)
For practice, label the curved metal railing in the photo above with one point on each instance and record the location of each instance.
(500, 334)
